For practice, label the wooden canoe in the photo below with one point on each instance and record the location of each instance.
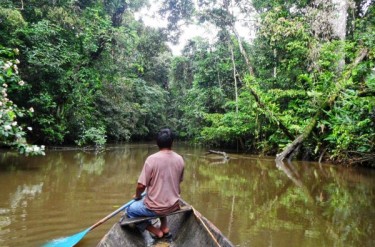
(188, 227)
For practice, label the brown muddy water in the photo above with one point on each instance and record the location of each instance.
(252, 200)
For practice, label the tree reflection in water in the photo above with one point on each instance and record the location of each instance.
(252, 200)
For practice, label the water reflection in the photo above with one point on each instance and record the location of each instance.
(91, 163)
(23, 194)
(334, 210)
(253, 201)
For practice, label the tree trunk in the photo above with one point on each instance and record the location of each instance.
(338, 23)
(338, 18)
(272, 116)
(243, 52)
(118, 14)
(329, 22)
(234, 77)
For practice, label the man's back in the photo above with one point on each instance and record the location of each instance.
(162, 174)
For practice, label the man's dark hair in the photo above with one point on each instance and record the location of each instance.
(165, 138)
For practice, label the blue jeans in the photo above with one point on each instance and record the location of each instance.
(139, 209)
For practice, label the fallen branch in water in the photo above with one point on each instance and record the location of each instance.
(224, 154)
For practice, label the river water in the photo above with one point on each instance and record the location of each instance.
(252, 200)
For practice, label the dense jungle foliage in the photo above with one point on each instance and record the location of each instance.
(90, 73)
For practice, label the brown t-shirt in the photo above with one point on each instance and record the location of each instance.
(162, 174)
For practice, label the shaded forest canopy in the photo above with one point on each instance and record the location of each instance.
(89, 73)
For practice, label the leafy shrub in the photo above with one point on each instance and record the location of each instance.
(12, 134)
(92, 136)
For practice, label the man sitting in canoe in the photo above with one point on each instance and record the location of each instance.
(161, 175)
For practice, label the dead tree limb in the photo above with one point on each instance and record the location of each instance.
(341, 84)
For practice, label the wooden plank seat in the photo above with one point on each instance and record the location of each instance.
(126, 221)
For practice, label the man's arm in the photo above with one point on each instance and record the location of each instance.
(138, 192)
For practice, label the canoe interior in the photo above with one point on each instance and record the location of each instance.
(189, 228)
